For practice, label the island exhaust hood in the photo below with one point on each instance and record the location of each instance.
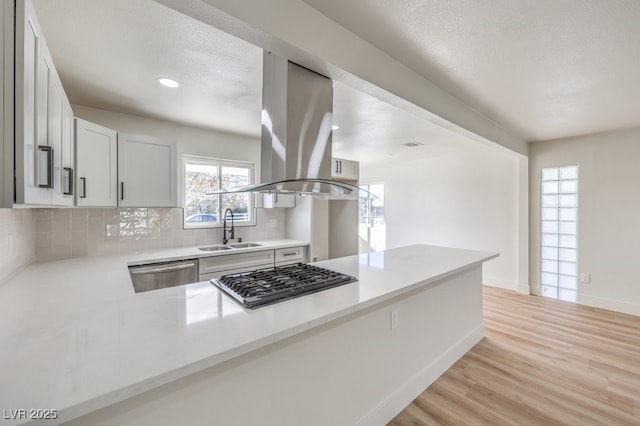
(297, 115)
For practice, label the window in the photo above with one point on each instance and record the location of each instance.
(203, 176)
(373, 229)
(558, 276)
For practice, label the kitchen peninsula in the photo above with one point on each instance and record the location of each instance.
(76, 338)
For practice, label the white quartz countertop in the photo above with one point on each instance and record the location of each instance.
(75, 337)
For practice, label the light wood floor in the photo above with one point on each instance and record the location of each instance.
(542, 362)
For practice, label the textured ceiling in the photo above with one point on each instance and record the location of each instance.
(373, 132)
(543, 69)
(110, 52)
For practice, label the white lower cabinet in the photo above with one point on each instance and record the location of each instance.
(147, 172)
(289, 256)
(216, 266)
(234, 263)
(96, 179)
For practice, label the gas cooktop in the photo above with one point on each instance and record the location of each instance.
(266, 286)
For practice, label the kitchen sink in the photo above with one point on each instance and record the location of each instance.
(244, 245)
(214, 248)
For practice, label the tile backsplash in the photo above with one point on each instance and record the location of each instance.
(65, 233)
(17, 240)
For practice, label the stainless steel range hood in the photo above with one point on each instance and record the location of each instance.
(297, 115)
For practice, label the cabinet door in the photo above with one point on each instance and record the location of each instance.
(278, 200)
(54, 124)
(31, 97)
(147, 170)
(96, 157)
(345, 169)
(288, 256)
(68, 153)
(349, 169)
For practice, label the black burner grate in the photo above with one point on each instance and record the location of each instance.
(267, 286)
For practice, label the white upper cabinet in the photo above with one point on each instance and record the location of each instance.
(96, 180)
(43, 148)
(344, 169)
(27, 106)
(270, 201)
(60, 127)
(68, 160)
(147, 172)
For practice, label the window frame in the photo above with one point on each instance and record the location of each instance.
(551, 230)
(367, 199)
(219, 164)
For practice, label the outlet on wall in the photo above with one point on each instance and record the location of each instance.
(110, 230)
(10, 243)
(585, 277)
(273, 223)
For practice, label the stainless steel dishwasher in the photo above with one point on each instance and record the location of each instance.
(154, 276)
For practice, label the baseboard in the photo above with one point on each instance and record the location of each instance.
(523, 289)
(506, 284)
(403, 396)
(600, 302)
(609, 304)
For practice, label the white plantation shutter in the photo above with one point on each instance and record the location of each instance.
(558, 276)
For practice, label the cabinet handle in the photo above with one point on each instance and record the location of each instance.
(84, 187)
(49, 162)
(121, 190)
(141, 271)
(337, 166)
(293, 253)
(69, 181)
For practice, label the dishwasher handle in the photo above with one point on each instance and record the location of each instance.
(153, 269)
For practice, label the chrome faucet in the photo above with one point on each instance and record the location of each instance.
(230, 236)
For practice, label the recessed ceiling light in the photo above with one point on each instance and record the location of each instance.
(412, 144)
(335, 127)
(167, 82)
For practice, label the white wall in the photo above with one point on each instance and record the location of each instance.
(191, 140)
(608, 206)
(466, 201)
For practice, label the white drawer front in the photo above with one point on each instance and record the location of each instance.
(207, 277)
(241, 261)
(290, 255)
